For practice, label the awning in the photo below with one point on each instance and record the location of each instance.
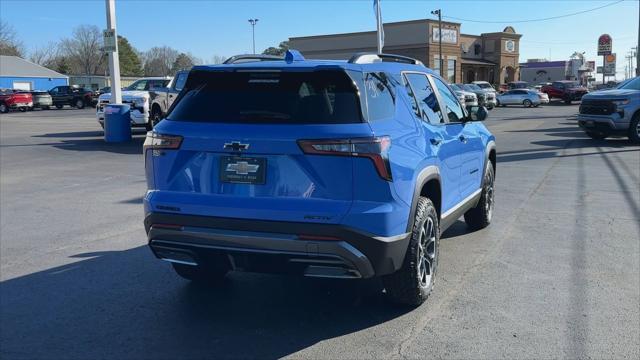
(477, 62)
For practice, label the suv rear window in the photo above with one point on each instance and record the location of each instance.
(272, 96)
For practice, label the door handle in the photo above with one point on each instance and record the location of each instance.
(170, 95)
(435, 141)
(462, 138)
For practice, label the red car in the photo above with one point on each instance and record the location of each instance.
(566, 90)
(14, 100)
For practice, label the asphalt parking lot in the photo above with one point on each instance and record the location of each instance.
(557, 274)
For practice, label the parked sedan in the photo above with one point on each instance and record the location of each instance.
(41, 99)
(525, 97)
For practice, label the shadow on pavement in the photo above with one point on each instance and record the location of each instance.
(575, 139)
(126, 304)
(132, 147)
(76, 134)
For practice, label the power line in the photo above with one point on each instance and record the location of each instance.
(533, 20)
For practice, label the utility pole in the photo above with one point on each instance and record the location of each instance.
(439, 13)
(114, 59)
(634, 54)
(253, 23)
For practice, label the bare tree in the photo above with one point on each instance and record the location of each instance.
(45, 55)
(9, 43)
(84, 50)
(217, 59)
(158, 61)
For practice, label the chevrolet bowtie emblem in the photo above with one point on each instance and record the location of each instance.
(242, 168)
(236, 146)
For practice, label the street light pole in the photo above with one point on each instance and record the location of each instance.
(114, 60)
(439, 13)
(253, 23)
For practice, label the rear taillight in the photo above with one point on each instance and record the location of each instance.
(155, 141)
(374, 148)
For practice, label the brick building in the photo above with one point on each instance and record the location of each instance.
(490, 57)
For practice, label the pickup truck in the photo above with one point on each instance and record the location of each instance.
(137, 97)
(72, 96)
(14, 100)
(162, 98)
(566, 90)
(612, 112)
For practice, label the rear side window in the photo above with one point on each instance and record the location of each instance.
(181, 79)
(269, 97)
(427, 100)
(380, 96)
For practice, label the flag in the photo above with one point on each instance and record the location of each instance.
(378, 12)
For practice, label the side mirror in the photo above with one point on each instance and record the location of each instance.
(477, 113)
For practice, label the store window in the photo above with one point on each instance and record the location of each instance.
(451, 71)
(436, 65)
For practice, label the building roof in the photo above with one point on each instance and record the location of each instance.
(18, 67)
(543, 64)
(478, 62)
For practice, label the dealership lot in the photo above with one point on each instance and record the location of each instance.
(556, 274)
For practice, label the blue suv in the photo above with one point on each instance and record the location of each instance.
(340, 169)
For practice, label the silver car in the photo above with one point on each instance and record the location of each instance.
(524, 97)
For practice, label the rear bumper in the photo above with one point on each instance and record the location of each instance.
(20, 105)
(274, 246)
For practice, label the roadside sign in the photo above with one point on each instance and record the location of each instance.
(109, 40)
(610, 65)
(599, 70)
(604, 44)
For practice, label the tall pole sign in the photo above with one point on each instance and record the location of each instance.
(604, 48)
(111, 47)
(440, 57)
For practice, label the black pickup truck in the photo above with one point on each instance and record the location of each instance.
(72, 96)
(160, 99)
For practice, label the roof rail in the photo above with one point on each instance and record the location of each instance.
(251, 58)
(367, 58)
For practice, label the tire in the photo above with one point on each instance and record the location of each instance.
(634, 129)
(4, 108)
(413, 282)
(527, 103)
(155, 115)
(59, 106)
(597, 135)
(23, 109)
(200, 274)
(79, 103)
(480, 216)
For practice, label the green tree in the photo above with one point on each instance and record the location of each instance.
(130, 64)
(183, 62)
(279, 51)
(62, 65)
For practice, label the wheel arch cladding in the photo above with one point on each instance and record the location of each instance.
(427, 184)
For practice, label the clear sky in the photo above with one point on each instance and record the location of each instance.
(207, 28)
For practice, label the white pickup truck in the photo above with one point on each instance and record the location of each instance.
(137, 96)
